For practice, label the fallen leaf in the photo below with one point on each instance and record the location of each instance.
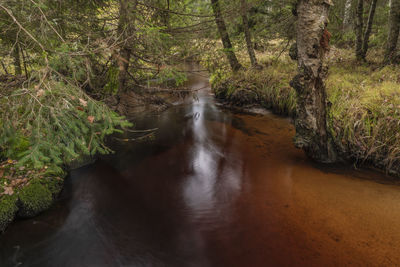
(83, 102)
(8, 191)
(90, 119)
(10, 161)
(40, 93)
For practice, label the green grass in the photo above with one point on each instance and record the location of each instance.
(364, 113)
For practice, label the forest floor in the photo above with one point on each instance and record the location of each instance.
(363, 102)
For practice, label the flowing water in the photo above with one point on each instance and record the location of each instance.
(213, 188)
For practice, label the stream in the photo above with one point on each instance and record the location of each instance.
(214, 188)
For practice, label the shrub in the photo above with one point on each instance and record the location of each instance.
(53, 123)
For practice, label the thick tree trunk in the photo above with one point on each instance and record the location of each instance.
(359, 29)
(347, 14)
(247, 34)
(368, 29)
(394, 28)
(125, 32)
(312, 39)
(226, 42)
(17, 60)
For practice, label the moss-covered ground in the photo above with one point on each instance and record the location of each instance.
(26, 192)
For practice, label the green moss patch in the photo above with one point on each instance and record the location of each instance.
(26, 192)
(34, 199)
(8, 209)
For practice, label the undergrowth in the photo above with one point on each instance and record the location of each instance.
(46, 123)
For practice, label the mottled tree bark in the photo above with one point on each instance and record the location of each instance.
(126, 31)
(368, 29)
(359, 29)
(226, 42)
(310, 122)
(394, 28)
(347, 14)
(247, 34)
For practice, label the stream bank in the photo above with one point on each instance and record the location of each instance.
(363, 104)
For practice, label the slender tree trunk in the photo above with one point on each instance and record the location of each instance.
(25, 65)
(312, 43)
(17, 60)
(394, 28)
(247, 34)
(4, 67)
(347, 14)
(359, 29)
(368, 29)
(125, 32)
(165, 15)
(226, 42)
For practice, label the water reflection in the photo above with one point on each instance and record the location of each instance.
(213, 189)
(216, 165)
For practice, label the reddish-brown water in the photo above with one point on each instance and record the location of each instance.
(213, 189)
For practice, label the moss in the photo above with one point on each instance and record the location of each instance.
(30, 195)
(33, 199)
(8, 208)
(54, 185)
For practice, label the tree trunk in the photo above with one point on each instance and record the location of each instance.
(368, 28)
(359, 29)
(312, 43)
(247, 34)
(25, 65)
(226, 42)
(394, 27)
(17, 60)
(4, 67)
(125, 32)
(347, 15)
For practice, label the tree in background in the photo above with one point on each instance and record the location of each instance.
(394, 28)
(362, 37)
(368, 29)
(226, 41)
(359, 25)
(247, 34)
(347, 15)
(126, 34)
